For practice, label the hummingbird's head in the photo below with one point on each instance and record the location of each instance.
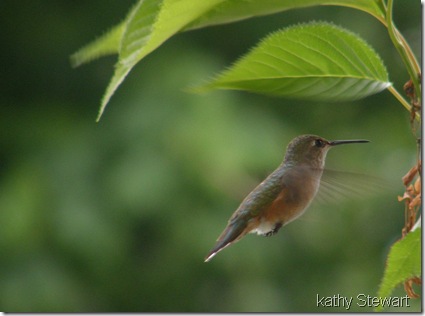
(312, 150)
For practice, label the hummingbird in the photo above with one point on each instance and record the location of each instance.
(284, 195)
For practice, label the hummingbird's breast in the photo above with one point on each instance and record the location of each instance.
(299, 187)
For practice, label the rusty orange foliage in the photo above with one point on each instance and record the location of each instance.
(413, 199)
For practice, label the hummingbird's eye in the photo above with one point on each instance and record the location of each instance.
(319, 143)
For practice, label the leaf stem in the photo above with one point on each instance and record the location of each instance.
(409, 52)
(399, 97)
(404, 50)
(406, 104)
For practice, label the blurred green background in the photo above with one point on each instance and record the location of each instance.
(117, 216)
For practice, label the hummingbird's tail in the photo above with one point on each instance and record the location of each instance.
(232, 233)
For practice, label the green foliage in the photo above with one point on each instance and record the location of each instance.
(108, 44)
(149, 24)
(404, 262)
(117, 216)
(316, 61)
(152, 22)
(234, 10)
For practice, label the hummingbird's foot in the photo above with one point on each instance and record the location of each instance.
(274, 230)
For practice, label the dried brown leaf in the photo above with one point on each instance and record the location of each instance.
(404, 197)
(418, 185)
(408, 177)
(415, 202)
(409, 289)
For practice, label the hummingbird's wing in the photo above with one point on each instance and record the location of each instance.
(246, 217)
(337, 186)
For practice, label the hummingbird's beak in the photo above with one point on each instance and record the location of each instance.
(340, 142)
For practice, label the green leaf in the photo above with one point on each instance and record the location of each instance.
(225, 12)
(107, 44)
(150, 24)
(404, 262)
(315, 61)
(234, 10)
(137, 31)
